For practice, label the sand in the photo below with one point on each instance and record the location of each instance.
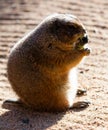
(17, 18)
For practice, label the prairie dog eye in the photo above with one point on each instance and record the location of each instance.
(50, 46)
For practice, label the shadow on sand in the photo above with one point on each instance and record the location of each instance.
(20, 118)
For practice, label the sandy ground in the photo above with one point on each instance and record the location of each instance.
(18, 17)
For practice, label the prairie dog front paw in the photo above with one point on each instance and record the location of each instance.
(86, 51)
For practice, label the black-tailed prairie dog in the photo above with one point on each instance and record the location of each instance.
(41, 66)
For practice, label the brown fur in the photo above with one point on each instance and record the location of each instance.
(39, 64)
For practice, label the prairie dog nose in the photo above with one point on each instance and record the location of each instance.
(85, 39)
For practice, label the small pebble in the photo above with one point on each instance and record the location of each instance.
(25, 121)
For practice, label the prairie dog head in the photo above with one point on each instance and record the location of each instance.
(62, 32)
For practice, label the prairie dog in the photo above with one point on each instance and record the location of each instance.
(41, 66)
